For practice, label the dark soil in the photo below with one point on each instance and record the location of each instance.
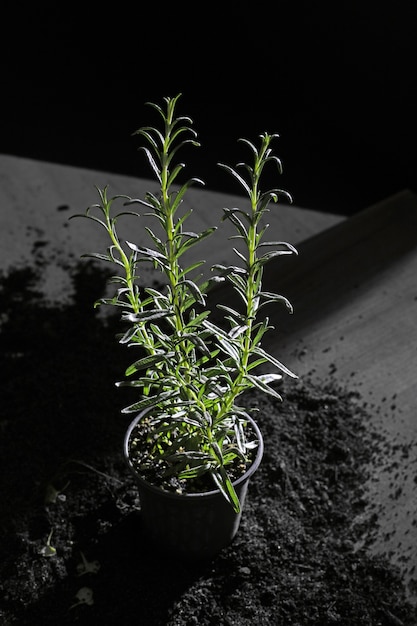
(73, 550)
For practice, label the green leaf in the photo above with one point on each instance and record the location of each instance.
(274, 297)
(229, 269)
(199, 343)
(237, 331)
(240, 436)
(235, 314)
(223, 482)
(281, 192)
(157, 241)
(129, 334)
(190, 268)
(177, 169)
(238, 177)
(255, 363)
(195, 291)
(152, 162)
(146, 362)
(194, 239)
(149, 401)
(274, 361)
(190, 455)
(152, 255)
(183, 189)
(289, 247)
(260, 329)
(259, 382)
(138, 201)
(215, 330)
(97, 255)
(144, 316)
(270, 255)
(230, 214)
(194, 472)
(270, 378)
(195, 322)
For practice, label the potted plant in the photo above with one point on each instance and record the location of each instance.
(191, 446)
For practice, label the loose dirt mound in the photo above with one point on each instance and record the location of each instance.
(72, 546)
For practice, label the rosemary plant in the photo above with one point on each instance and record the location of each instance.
(191, 371)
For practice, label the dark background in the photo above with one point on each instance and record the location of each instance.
(337, 82)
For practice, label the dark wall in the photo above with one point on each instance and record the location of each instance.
(337, 84)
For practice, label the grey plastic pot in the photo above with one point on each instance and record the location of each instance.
(195, 525)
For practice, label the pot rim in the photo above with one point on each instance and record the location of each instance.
(199, 494)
